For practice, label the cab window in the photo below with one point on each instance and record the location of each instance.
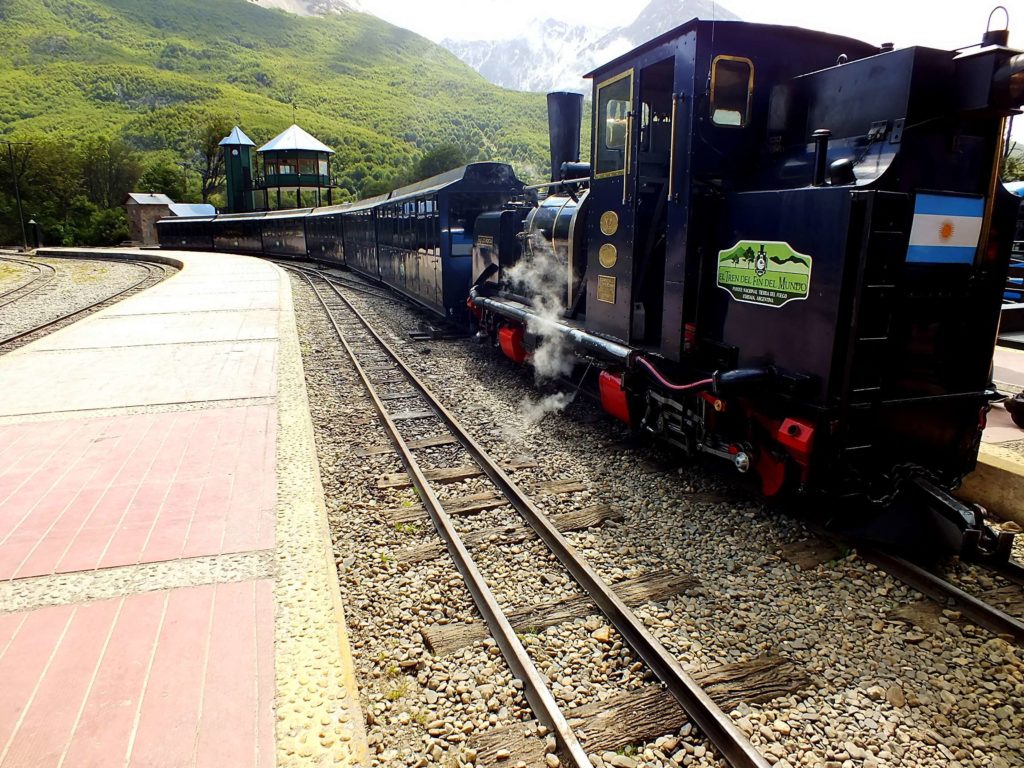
(732, 86)
(614, 98)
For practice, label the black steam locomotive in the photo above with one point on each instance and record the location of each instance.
(787, 251)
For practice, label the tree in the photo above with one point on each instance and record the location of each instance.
(166, 178)
(110, 169)
(439, 160)
(1013, 165)
(207, 158)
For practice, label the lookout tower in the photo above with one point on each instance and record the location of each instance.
(294, 161)
(238, 170)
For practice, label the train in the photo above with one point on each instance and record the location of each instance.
(787, 250)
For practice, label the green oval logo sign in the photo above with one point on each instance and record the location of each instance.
(767, 273)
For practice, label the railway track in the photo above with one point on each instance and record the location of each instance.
(977, 610)
(349, 283)
(154, 273)
(409, 400)
(946, 594)
(43, 274)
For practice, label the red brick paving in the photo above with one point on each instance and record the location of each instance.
(174, 678)
(121, 490)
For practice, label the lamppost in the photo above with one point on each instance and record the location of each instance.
(35, 233)
(17, 190)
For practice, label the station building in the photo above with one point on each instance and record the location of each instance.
(146, 209)
(291, 162)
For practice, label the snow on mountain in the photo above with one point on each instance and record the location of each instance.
(554, 55)
(312, 7)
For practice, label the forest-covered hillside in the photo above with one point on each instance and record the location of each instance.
(109, 79)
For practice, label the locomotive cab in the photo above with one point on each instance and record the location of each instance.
(678, 122)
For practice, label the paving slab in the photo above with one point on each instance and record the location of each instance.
(167, 587)
(147, 330)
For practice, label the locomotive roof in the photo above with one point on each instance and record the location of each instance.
(769, 31)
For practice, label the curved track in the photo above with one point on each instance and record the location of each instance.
(361, 341)
(154, 274)
(44, 273)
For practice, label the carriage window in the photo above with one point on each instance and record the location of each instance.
(614, 99)
(732, 86)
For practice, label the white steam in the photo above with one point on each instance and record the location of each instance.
(533, 411)
(542, 276)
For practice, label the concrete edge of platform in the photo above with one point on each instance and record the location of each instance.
(134, 254)
(997, 483)
(319, 720)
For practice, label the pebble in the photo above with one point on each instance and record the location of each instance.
(749, 600)
(894, 695)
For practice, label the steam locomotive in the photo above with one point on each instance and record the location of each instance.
(787, 251)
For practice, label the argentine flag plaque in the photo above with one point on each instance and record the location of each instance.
(946, 229)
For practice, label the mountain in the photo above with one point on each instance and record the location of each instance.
(312, 7)
(554, 55)
(150, 71)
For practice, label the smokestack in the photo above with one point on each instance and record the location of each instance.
(565, 114)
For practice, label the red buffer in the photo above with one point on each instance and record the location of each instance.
(510, 337)
(613, 395)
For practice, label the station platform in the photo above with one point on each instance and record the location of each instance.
(998, 482)
(168, 594)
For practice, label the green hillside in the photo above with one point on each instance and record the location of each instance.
(150, 71)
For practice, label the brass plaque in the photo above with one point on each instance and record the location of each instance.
(607, 255)
(606, 289)
(609, 223)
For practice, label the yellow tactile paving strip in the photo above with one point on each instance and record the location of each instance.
(998, 483)
(319, 722)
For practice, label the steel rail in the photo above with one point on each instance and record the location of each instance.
(370, 290)
(151, 270)
(705, 714)
(927, 583)
(38, 281)
(1012, 571)
(534, 686)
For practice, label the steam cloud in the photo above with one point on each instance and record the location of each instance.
(533, 411)
(541, 275)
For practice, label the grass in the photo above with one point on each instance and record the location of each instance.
(399, 691)
(149, 71)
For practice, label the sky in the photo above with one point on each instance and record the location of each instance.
(903, 22)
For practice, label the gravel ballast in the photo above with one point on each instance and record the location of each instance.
(884, 692)
(76, 284)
